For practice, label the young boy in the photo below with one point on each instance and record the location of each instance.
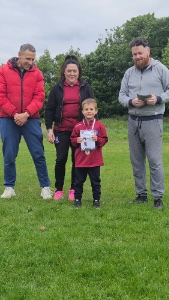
(88, 136)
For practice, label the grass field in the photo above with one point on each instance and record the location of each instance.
(118, 252)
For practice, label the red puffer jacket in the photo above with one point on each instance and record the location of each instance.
(19, 94)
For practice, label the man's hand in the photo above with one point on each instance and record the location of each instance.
(152, 100)
(149, 101)
(138, 103)
(21, 119)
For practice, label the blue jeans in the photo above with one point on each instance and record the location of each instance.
(11, 135)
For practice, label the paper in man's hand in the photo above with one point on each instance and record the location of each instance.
(143, 97)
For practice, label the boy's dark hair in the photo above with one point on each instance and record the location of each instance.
(139, 41)
(70, 59)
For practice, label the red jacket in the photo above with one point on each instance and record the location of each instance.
(95, 158)
(19, 94)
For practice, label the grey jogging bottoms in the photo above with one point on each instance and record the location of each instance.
(145, 141)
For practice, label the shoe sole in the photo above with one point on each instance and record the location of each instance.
(8, 197)
(78, 206)
(71, 199)
(158, 207)
(58, 199)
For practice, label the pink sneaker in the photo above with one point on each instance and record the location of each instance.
(58, 195)
(71, 196)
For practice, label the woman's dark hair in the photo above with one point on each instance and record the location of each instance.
(70, 59)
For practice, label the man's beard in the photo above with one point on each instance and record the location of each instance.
(142, 63)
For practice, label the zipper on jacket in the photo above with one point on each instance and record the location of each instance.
(61, 107)
(21, 76)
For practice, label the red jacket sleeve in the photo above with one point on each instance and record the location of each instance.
(38, 96)
(102, 137)
(9, 108)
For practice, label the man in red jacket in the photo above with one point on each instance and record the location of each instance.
(21, 98)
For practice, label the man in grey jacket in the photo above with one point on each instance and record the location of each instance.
(145, 90)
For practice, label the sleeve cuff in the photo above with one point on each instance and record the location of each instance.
(130, 102)
(159, 100)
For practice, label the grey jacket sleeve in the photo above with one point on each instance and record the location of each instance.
(164, 74)
(124, 98)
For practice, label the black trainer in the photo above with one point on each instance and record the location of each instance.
(77, 203)
(96, 203)
(140, 199)
(158, 204)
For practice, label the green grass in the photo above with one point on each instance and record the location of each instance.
(118, 252)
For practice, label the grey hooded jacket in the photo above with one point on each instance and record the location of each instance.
(152, 80)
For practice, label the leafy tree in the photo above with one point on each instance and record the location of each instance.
(165, 55)
(103, 72)
(105, 67)
(47, 65)
(165, 61)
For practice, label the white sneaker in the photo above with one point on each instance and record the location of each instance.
(46, 193)
(8, 192)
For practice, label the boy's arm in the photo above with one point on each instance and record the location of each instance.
(102, 137)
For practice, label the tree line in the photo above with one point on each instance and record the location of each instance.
(105, 67)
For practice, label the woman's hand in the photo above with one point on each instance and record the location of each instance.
(50, 136)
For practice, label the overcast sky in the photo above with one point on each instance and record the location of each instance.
(57, 25)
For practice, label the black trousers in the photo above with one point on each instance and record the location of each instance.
(81, 175)
(62, 144)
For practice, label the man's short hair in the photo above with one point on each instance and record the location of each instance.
(25, 47)
(139, 41)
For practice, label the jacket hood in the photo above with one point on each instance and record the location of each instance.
(12, 62)
(153, 63)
